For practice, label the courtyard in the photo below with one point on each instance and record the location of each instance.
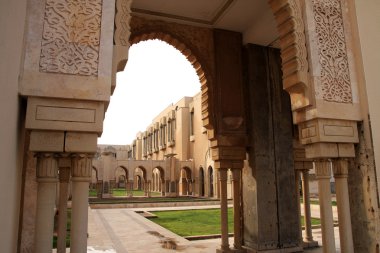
(124, 230)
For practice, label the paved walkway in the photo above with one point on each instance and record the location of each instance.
(125, 231)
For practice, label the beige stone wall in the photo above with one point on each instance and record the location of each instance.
(12, 18)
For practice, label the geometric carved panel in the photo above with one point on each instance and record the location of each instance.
(70, 39)
(335, 75)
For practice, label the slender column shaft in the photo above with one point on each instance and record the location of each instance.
(224, 209)
(81, 176)
(306, 205)
(47, 171)
(236, 178)
(323, 173)
(64, 177)
(340, 168)
(297, 183)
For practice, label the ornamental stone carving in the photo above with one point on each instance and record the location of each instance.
(295, 67)
(71, 35)
(335, 75)
(122, 18)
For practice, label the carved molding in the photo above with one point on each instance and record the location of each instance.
(47, 167)
(122, 19)
(335, 75)
(71, 35)
(291, 28)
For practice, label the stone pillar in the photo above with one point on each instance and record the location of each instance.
(306, 206)
(236, 179)
(297, 183)
(81, 176)
(340, 168)
(323, 173)
(223, 210)
(64, 178)
(47, 170)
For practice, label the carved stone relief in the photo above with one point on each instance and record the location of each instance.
(71, 35)
(122, 18)
(335, 75)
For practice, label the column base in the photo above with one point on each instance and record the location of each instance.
(283, 250)
(310, 244)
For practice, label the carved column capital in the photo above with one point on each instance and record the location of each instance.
(222, 172)
(322, 169)
(81, 167)
(340, 168)
(47, 167)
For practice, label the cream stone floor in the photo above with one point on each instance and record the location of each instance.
(125, 231)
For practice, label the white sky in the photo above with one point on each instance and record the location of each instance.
(156, 76)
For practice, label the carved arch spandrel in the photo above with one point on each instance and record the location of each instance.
(195, 43)
(295, 67)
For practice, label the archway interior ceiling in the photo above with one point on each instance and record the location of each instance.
(254, 19)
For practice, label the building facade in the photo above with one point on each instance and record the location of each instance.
(172, 156)
(259, 62)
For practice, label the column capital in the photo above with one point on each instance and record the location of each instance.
(222, 174)
(47, 167)
(340, 168)
(81, 167)
(322, 169)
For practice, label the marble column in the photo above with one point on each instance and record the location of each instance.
(323, 174)
(47, 172)
(81, 176)
(225, 247)
(340, 168)
(236, 179)
(306, 206)
(64, 178)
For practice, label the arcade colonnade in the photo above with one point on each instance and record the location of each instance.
(67, 97)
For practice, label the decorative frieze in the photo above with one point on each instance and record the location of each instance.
(71, 37)
(331, 40)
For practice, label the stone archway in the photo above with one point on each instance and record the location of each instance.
(192, 42)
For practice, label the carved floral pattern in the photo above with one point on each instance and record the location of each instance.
(335, 76)
(70, 39)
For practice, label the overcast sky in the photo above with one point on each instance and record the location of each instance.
(156, 76)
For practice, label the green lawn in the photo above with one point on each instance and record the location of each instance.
(197, 222)
(122, 192)
(92, 193)
(193, 222)
(316, 202)
(314, 221)
(68, 231)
